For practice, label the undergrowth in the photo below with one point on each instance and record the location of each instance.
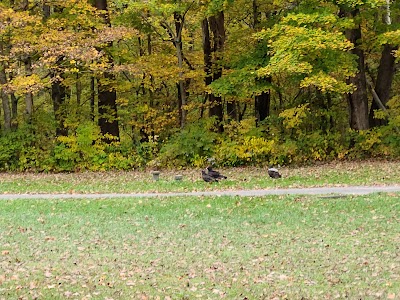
(241, 144)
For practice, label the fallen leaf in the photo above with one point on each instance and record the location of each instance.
(130, 283)
(48, 274)
(32, 285)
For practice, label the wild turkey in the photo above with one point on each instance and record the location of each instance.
(274, 173)
(215, 174)
(207, 178)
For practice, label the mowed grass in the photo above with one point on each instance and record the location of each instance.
(331, 174)
(277, 247)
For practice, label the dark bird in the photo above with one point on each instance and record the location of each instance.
(207, 178)
(274, 173)
(215, 174)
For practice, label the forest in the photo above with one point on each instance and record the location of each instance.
(123, 84)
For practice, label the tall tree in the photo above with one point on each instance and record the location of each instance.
(179, 23)
(4, 96)
(18, 33)
(107, 95)
(27, 61)
(213, 28)
(167, 21)
(358, 99)
(176, 39)
(58, 96)
(309, 49)
(58, 89)
(386, 72)
(5, 101)
(262, 102)
(383, 85)
(243, 56)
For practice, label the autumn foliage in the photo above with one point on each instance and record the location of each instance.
(101, 85)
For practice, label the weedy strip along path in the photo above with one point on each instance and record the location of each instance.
(332, 191)
(336, 174)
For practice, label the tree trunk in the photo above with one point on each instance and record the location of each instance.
(78, 90)
(107, 95)
(383, 84)
(58, 90)
(58, 94)
(5, 102)
(243, 112)
(107, 101)
(4, 97)
(149, 49)
(256, 14)
(29, 95)
(262, 102)
(324, 101)
(46, 11)
(262, 106)
(179, 88)
(358, 100)
(102, 5)
(92, 97)
(207, 51)
(14, 110)
(212, 48)
(231, 110)
(14, 101)
(386, 71)
(182, 88)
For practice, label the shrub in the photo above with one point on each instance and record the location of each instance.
(243, 144)
(319, 146)
(190, 146)
(27, 148)
(248, 150)
(11, 146)
(83, 149)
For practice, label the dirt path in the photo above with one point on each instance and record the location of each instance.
(323, 191)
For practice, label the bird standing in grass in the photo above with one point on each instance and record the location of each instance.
(210, 175)
(207, 178)
(274, 173)
(215, 174)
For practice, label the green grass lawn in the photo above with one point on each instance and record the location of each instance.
(276, 247)
(332, 174)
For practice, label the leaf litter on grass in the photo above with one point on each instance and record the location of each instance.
(328, 174)
(206, 247)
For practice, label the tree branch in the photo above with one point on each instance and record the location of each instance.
(380, 104)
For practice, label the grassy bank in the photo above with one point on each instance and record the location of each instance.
(201, 248)
(338, 173)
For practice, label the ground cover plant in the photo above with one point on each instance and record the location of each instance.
(276, 247)
(330, 174)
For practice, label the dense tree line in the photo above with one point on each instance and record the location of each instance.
(119, 84)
